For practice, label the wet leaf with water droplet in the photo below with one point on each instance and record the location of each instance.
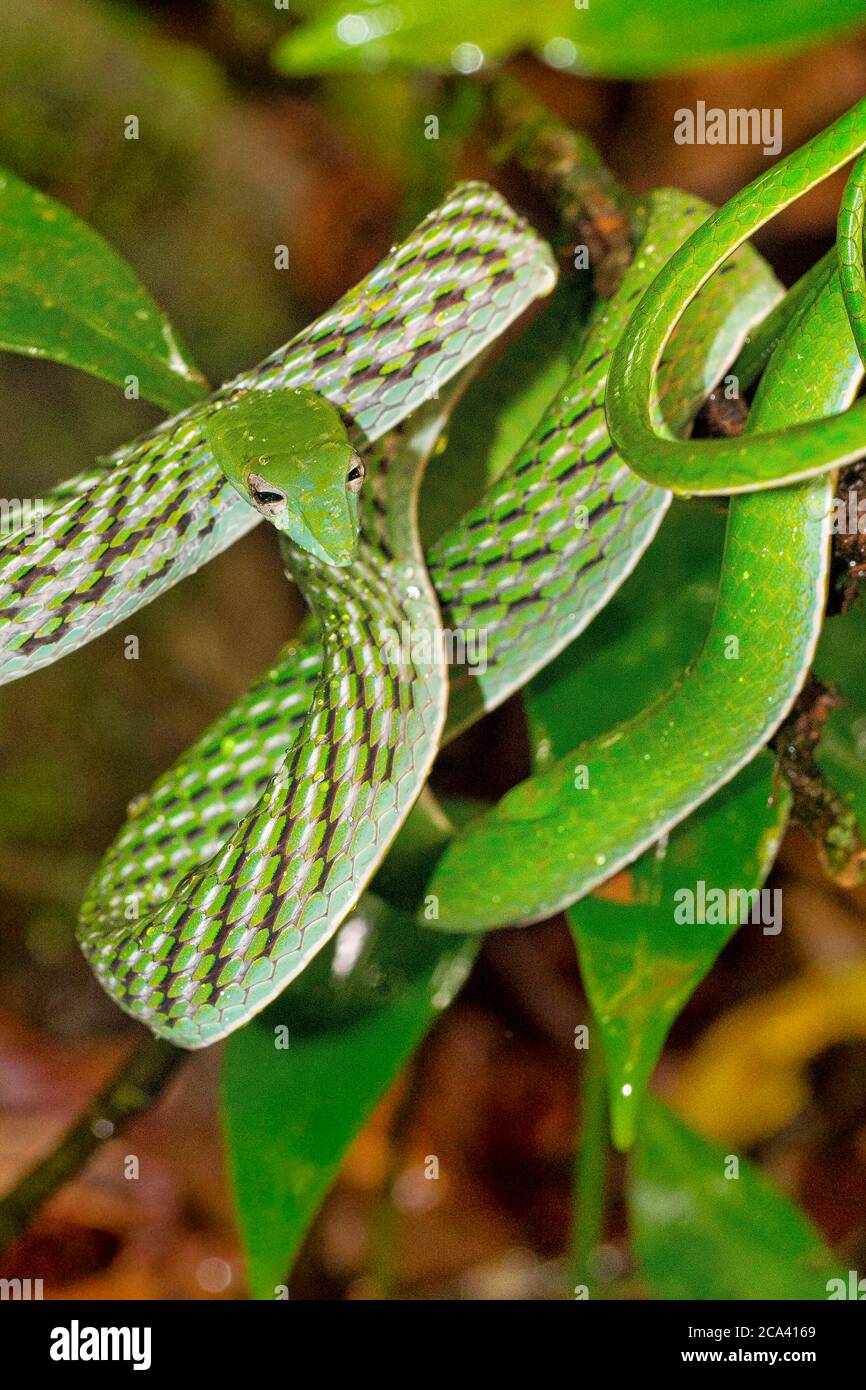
(641, 965)
(604, 37)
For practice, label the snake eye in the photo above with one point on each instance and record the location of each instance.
(356, 476)
(268, 499)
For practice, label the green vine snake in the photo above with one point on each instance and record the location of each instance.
(646, 775)
(245, 857)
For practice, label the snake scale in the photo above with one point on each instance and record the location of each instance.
(647, 774)
(244, 858)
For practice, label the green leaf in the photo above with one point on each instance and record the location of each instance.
(699, 1234)
(417, 33)
(289, 1114)
(614, 38)
(66, 295)
(639, 965)
(631, 38)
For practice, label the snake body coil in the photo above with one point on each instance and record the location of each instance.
(244, 858)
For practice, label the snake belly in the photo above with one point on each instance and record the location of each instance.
(580, 522)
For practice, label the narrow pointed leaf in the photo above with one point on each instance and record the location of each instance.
(640, 960)
(66, 295)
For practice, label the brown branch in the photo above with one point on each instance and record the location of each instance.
(818, 807)
(132, 1088)
(591, 207)
(849, 543)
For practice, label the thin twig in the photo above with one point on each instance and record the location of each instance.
(590, 1165)
(132, 1088)
(591, 206)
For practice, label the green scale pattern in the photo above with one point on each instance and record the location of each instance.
(646, 774)
(205, 955)
(217, 947)
(227, 923)
(568, 520)
(195, 806)
(117, 536)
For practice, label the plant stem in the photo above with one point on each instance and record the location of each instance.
(591, 206)
(590, 1165)
(455, 105)
(132, 1088)
(384, 1220)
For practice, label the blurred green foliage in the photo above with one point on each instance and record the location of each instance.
(607, 38)
(707, 1224)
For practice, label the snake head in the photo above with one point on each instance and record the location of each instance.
(288, 454)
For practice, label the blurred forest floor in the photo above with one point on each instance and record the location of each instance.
(231, 161)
